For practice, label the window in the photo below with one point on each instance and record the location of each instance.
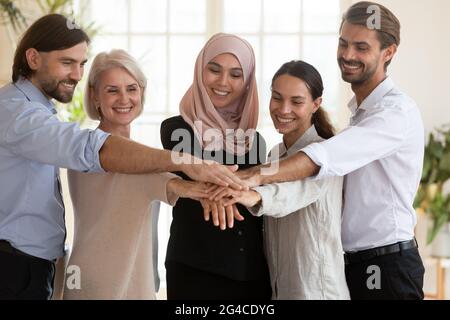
(280, 31)
(166, 36)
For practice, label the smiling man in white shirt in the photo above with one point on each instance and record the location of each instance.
(381, 156)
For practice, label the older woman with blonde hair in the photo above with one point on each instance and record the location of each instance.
(113, 233)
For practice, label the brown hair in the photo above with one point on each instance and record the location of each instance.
(313, 81)
(49, 33)
(361, 14)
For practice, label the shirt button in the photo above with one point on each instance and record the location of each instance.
(241, 249)
(240, 232)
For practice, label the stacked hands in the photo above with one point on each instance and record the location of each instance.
(219, 189)
(221, 204)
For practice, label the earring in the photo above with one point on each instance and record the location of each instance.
(99, 113)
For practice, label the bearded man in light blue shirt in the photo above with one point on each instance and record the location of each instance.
(48, 64)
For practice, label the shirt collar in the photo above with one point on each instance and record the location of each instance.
(307, 138)
(374, 97)
(310, 136)
(34, 94)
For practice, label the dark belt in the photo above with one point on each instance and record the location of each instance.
(365, 255)
(5, 246)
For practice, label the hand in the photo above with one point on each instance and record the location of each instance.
(229, 196)
(216, 193)
(250, 177)
(213, 172)
(188, 189)
(221, 215)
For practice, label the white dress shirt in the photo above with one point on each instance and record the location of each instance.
(302, 233)
(381, 156)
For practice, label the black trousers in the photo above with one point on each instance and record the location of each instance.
(187, 283)
(397, 276)
(25, 278)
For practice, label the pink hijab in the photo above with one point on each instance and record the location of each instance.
(234, 126)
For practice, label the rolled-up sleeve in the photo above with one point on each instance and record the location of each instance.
(377, 136)
(34, 133)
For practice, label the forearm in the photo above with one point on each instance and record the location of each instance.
(297, 167)
(125, 156)
(282, 199)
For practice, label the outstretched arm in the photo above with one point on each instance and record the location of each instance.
(371, 139)
(123, 155)
(297, 167)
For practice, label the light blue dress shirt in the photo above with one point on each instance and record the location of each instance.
(34, 144)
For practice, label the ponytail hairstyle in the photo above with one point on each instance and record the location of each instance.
(306, 72)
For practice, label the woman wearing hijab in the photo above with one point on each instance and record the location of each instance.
(219, 114)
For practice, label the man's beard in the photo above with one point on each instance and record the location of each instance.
(356, 79)
(52, 89)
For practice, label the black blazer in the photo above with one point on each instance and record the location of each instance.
(234, 253)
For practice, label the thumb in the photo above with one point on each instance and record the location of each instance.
(233, 168)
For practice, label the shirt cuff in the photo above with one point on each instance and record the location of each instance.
(319, 155)
(96, 141)
(266, 201)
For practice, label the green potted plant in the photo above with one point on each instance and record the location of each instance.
(431, 197)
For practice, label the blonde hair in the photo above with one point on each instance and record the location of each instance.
(104, 61)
